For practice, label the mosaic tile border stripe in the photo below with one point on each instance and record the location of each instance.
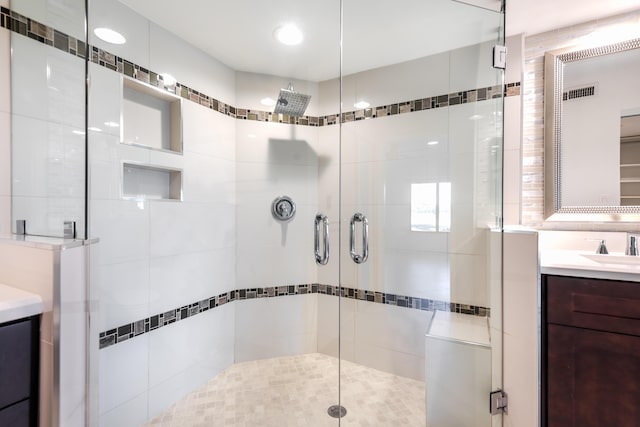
(44, 34)
(139, 327)
(51, 37)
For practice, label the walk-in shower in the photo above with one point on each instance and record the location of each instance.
(214, 298)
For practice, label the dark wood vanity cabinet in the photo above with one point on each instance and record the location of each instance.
(590, 352)
(19, 366)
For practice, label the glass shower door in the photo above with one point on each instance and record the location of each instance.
(420, 213)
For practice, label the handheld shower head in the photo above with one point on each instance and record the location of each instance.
(291, 103)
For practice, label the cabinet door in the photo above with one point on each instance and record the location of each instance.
(593, 378)
(17, 415)
(15, 362)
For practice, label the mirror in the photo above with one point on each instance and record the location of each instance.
(590, 97)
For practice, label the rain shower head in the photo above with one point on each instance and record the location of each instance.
(291, 103)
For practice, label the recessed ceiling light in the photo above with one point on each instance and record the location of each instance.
(95, 129)
(432, 143)
(269, 102)
(77, 132)
(112, 124)
(109, 36)
(360, 105)
(289, 34)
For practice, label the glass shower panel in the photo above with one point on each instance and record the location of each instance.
(421, 179)
(48, 116)
(202, 290)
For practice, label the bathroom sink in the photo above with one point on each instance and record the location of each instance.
(613, 259)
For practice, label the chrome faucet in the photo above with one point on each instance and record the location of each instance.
(602, 248)
(632, 245)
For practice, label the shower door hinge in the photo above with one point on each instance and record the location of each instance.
(498, 402)
(500, 57)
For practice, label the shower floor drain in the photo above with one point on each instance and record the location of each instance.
(337, 411)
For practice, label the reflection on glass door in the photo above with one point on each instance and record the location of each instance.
(421, 165)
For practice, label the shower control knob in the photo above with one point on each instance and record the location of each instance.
(283, 208)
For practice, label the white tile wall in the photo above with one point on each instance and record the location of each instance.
(47, 182)
(48, 159)
(185, 278)
(5, 70)
(275, 160)
(65, 16)
(336, 326)
(123, 229)
(72, 338)
(5, 215)
(124, 372)
(515, 58)
(521, 328)
(512, 158)
(5, 154)
(134, 27)
(123, 293)
(383, 337)
(201, 226)
(105, 89)
(169, 54)
(132, 413)
(45, 73)
(381, 86)
(197, 348)
(5, 133)
(329, 97)
(251, 88)
(158, 255)
(390, 327)
(272, 327)
(217, 139)
(472, 67)
(208, 179)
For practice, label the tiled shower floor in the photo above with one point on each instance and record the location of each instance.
(296, 391)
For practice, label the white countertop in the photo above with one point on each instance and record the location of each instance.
(43, 242)
(614, 266)
(16, 304)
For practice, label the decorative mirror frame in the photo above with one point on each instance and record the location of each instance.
(553, 88)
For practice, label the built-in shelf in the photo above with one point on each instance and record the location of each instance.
(629, 172)
(151, 182)
(151, 117)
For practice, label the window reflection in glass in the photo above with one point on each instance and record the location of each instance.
(431, 206)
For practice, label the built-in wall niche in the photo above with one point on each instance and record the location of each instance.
(141, 182)
(151, 117)
(630, 160)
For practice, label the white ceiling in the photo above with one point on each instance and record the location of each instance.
(538, 16)
(239, 33)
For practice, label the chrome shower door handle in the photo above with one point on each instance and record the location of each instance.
(321, 259)
(356, 257)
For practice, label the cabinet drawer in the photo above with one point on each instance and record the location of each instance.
(605, 305)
